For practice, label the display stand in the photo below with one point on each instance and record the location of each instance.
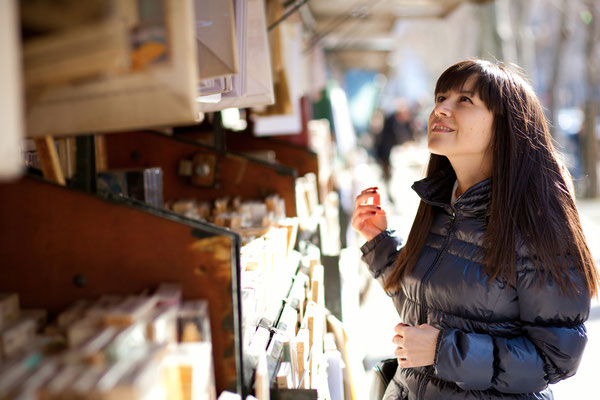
(60, 245)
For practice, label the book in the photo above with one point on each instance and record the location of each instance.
(143, 184)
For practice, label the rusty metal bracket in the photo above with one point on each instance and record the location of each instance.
(201, 169)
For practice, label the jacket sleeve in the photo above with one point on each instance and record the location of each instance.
(380, 254)
(549, 349)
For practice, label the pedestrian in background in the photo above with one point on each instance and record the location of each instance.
(493, 284)
(397, 130)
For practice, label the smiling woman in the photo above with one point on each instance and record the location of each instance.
(492, 292)
(460, 128)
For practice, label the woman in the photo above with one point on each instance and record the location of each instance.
(494, 282)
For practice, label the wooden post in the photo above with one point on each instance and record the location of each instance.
(49, 160)
(101, 157)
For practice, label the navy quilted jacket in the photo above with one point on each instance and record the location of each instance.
(494, 343)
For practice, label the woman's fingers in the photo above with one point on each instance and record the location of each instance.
(363, 215)
(369, 208)
(359, 221)
(364, 198)
(397, 340)
(400, 328)
(416, 345)
(370, 195)
(368, 218)
(405, 363)
(365, 212)
(400, 352)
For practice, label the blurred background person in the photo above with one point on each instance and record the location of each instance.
(397, 130)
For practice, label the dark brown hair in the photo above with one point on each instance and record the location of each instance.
(529, 192)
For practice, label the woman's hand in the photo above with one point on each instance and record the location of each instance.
(416, 345)
(368, 218)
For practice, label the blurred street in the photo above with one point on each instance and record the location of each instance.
(378, 314)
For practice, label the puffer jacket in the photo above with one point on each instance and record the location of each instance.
(494, 342)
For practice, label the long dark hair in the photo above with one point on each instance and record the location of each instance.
(529, 193)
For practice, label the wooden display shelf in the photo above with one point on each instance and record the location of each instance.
(236, 174)
(291, 155)
(59, 245)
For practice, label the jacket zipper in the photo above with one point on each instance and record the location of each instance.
(429, 271)
(423, 313)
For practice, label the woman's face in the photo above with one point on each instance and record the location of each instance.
(460, 125)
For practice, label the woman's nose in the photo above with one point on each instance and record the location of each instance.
(442, 109)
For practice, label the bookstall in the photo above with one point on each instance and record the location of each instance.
(143, 254)
(62, 245)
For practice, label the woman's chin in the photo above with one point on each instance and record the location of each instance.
(435, 148)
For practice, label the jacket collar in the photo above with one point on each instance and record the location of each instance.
(437, 191)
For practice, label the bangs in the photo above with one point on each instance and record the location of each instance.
(488, 82)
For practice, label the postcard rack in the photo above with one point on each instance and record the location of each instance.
(60, 245)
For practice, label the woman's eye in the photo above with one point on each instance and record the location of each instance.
(439, 99)
(465, 98)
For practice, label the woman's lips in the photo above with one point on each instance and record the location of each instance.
(441, 128)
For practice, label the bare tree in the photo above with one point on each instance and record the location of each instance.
(489, 46)
(504, 31)
(589, 140)
(564, 34)
(525, 39)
